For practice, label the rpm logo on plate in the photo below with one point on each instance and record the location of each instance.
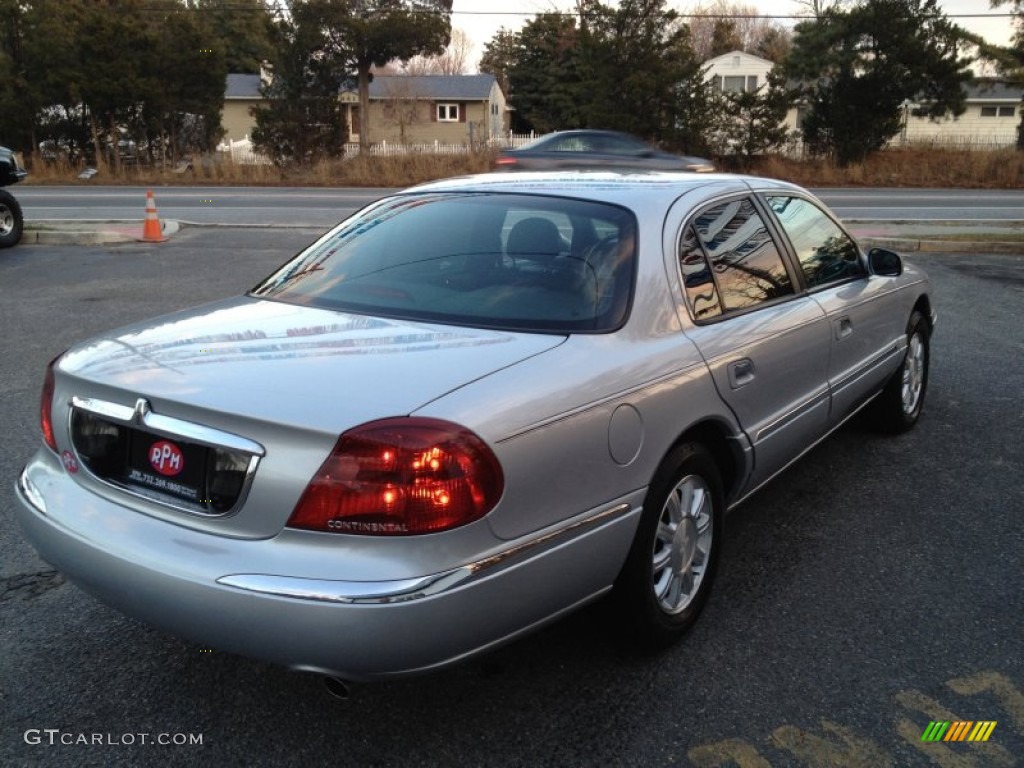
(166, 458)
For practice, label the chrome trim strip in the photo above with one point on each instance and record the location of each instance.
(141, 415)
(380, 592)
(747, 494)
(349, 592)
(501, 557)
(30, 493)
(793, 415)
(882, 357)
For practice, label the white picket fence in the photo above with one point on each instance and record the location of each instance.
(241, 151)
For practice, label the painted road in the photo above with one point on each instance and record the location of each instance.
(318, 207)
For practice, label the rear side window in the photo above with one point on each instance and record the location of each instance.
(741, 265)
(505, 261)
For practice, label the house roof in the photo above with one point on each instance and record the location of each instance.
(993, 89)
(453, 87)
(242, 87)
(749, 57)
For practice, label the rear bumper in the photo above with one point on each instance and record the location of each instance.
(218, 592)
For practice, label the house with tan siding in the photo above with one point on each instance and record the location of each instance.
(241, 94)
(418, 109)
(404, 109)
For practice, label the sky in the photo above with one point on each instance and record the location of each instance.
(481, 19)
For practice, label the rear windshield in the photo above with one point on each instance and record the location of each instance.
(512, 262)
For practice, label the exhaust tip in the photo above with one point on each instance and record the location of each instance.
(338, 688)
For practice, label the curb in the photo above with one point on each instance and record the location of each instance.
(916, 245)
(86, 232)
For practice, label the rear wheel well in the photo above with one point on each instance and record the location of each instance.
(715, 437)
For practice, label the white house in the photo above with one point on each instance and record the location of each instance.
(991, 119)
(740, 72)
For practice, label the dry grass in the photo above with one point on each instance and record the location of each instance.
(1000, 169)
(931, 167)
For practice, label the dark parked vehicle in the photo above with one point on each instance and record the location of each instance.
(11, 220)
(606, 150)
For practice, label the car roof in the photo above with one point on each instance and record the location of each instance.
(636, 190)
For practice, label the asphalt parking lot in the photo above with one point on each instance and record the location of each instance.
(873, 589)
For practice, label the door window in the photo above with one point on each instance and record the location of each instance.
(826, 253)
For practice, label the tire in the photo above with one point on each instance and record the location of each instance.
(670, 567)
(11, 221)
(898, 407)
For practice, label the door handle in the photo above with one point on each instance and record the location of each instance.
(741, 372)
(844, 327)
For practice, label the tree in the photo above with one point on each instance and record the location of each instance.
(754, 123)
(183, 111)
(403, 105)
(370, 33)
(452, 61)
(1011, 59)
(302, 120)
(243, 29)
(725, 38)
(737, 25)
(544, 75)
(774, 45)
(499, 56)
(859, 68)
(639, 73)
(819, 8)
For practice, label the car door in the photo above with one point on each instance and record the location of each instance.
(861, 308)
(766, 345)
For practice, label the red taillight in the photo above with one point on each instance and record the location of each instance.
(46, 407)
(401, 476)
(506, 161)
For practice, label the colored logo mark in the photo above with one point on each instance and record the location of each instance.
(961, 730)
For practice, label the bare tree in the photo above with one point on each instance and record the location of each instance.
(403, 105)
(453, 61)
(745, 24)
(818, 8)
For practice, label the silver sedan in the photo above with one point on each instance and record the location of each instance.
(468, 410)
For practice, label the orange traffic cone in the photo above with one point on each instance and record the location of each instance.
(151, 230)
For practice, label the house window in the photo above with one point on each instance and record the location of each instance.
(448, 113)
(733, 83)
(751, 83)
(997, 111)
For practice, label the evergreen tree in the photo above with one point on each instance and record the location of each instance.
(544, 75)
(369, 33)
(629, 68)
(1011, 58)
(243, 29)
(859, 67)
(754, 119)
(301, 121)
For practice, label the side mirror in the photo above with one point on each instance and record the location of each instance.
(885, 263)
